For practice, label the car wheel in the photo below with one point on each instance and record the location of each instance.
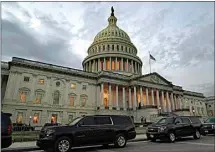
(63, 144)
(197, 135)
(153, 139)
(171, 137)
(120, 141)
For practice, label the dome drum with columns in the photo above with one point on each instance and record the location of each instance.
(112, 50)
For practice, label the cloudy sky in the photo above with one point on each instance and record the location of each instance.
(180, 35)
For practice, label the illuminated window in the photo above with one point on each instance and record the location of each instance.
(36, 118)
(72, 100)
(54, 118)
(41, 81)
(38, 97)
(73, 86)
(83, 100)
(56, 97)
(107, 65)
(23, 96)
(113, 65)
(26, 79)
(19, 118)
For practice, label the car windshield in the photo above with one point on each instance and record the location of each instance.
(75, 121)
(165, 121)
(210, 120)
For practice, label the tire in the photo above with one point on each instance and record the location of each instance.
(63, 144)
(171, 137)
(120, 141)
(197, 135)
(153, 139)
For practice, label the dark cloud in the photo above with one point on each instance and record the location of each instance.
(17, 42)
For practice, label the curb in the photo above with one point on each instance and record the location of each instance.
(21, 149)
(137, 140)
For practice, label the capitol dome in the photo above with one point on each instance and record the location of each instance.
(112, 50)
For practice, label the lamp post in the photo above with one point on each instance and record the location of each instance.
(193, 112)
(30, 121)
(159, 110)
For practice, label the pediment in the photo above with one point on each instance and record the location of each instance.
(155, 78)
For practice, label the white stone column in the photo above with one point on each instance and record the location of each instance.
(132, 66)
(110, 63)
(147, 96)
(135, 98)
(117, 98)
(104, 65)
(158, 99)
(99, 64)
(130, 106)
(127, 69)
(90, 66)
(18, 78)
(121, 64)
(175, 101)
(168, 102)
(180, 102)
(110, 97)
(163, 104)
(102, 96)
(141, 96)
(153, 100)
(123, 98)
(116, 63)
(172, 101)
(135, 64)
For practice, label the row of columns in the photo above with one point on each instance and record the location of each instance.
(113, 63)
(173, 101)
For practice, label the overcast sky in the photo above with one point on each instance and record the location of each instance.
(180, 35)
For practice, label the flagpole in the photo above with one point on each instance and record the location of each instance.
(149, 62)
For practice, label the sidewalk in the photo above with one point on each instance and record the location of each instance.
(31, 145)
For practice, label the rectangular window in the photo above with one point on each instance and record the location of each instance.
(41, 81)
(23, 95)
(54, 118)
(73, 86)
(84, 87)
(26, 79)
(72, 100)
(36, 118)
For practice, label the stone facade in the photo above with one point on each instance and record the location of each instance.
(111, 83)
(210, 102)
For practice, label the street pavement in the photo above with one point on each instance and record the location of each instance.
(206, 144)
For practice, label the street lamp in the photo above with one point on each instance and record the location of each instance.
(30, 121)
(159, 110)
(193, 112)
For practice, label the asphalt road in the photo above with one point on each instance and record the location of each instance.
(205, 144)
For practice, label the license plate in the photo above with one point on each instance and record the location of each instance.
(206, 131)
(151, 136)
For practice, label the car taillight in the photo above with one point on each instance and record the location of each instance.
(9, 129)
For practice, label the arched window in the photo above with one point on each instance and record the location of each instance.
(122, 48)
(23, 94)
(113, 47)
(39, 95)
(103, 48)
(108, 47)
(126, 49)
(117, 47)
(99, 48)
(83, 100)
(72, 98)
(56, 97)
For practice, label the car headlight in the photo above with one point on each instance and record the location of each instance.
(161, 129)
(213, 126)
(49, 132)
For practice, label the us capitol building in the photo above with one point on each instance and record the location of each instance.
(111, 82)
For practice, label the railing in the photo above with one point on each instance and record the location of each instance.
(25, 133)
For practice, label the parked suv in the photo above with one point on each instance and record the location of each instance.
(6, 130)
(172, 128)
(208, 126)
(88, 130)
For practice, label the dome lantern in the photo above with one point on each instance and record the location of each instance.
(112, 19)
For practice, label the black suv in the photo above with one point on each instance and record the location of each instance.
(88, 130)
(172, 128)
(208, 127)
(6, 130)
